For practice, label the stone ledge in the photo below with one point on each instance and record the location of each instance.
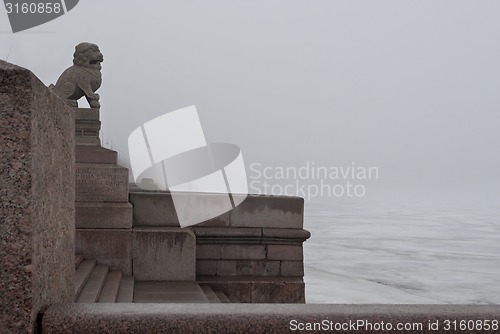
(286, 233)
(95, 154)
(204, 232)
(255, 235)
(244, 318)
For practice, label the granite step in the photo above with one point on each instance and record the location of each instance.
(82, 274)
(78, 260)
(93, 286)
(211, 296)
(222, 297)
(111, 286)
(169, 292)
(95, 154)
(126, 290)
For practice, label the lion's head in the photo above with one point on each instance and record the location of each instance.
(88, 55)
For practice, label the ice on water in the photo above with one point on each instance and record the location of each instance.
(372, 251)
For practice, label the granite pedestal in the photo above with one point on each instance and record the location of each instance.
(103, 213)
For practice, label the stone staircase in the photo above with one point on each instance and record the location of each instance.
(96, 283)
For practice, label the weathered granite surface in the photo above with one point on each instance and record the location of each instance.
(101, 183)
(37, 193)
(153, 209)
(259, 211)
(258, 289)
(112, 247)
(269, 211)
(95, 154)
(252, 264)
(87, 128)
(164, 254)
(245, 318)
(103, 215)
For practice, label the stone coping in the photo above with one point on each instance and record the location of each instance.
(95, 154)
(249, 235)
(256, 318)
(135, 189)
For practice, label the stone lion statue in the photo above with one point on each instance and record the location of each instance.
(83, 78)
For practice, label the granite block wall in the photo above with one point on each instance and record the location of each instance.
(258, 256)
(249, 260)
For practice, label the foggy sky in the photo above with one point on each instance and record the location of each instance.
(411, 87)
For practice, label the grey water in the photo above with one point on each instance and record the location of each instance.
(402, 251)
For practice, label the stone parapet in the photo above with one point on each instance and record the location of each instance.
(155, 208)
(260, 238)
(245, 318)
(37, 199)
(269, 211)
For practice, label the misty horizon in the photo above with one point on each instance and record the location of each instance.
(408, 87)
